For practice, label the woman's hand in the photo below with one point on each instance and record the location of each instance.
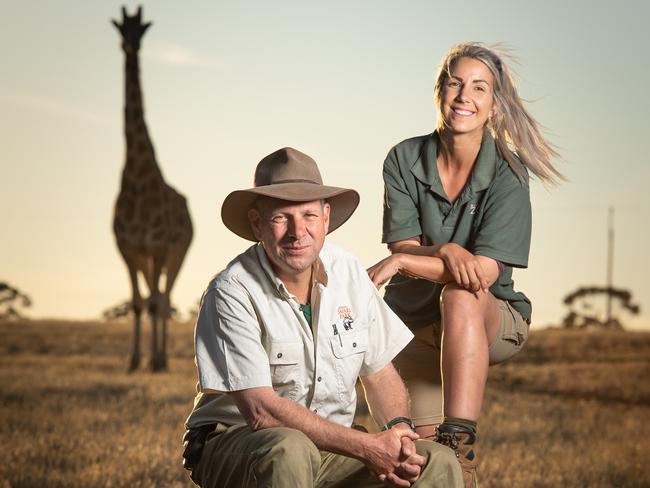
(385, 269)
(464, 267)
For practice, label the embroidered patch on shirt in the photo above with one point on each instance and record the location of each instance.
(346, 316)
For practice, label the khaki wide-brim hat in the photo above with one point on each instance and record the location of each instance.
(290, 175)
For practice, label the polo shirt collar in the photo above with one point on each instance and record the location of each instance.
(319, 273)
(425, 167)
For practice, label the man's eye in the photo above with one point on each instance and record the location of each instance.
(279, 219)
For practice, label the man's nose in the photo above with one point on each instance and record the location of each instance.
(297, 228)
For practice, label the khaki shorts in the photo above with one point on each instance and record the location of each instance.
(419, 361)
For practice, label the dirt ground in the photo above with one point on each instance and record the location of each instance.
(572, 410)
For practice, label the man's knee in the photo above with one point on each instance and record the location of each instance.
(290, 450)
(442, 468)
(290, 440)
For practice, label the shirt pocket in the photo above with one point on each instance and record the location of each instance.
(284, 358)
(349, 350)
(349, 342)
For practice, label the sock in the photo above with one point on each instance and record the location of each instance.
(468, 424)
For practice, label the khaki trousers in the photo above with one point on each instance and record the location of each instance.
(280, 457)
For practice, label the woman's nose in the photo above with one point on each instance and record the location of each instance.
(463, 94)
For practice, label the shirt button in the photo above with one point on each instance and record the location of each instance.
(320, 378)
(354, 344)
(279, 355)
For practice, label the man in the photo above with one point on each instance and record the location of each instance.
(282, 336)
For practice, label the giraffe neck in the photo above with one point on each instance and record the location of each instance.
(139, 150)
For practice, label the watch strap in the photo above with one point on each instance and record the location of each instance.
(399, 420)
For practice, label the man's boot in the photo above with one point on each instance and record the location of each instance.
(461, 440)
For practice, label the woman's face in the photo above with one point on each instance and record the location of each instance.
(468, 96)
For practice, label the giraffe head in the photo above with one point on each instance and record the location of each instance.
(131, 29)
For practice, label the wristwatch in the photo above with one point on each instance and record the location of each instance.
(399, 420)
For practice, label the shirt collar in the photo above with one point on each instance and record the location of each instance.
(425, 168)
(319, 274)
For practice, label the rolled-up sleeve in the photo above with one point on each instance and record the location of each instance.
(229, 351)
(505, 229)
(401, 218)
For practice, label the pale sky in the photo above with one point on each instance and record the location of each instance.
(226, 83)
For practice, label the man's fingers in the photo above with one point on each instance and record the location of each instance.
(416, 459)
(407, 432)
(394, 480)
(408, 448)
(409, 471)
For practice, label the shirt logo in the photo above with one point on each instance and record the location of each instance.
(346, 316)
(472, 208)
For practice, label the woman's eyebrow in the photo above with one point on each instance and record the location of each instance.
(473, 81)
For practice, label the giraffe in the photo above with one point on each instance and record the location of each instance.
(151, 223)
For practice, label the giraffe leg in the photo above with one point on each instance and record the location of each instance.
(155, 309)
(164, 316)
(172, 267)
(137, 313)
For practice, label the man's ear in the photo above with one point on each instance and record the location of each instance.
(326, 216)
(255, 221)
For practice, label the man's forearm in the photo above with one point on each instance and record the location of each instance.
(264, 409)
(386, 395)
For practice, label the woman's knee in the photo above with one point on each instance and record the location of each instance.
(455, 297)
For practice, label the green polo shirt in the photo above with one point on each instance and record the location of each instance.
(491, 217)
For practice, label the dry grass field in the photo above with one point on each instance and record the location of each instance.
(573, 410)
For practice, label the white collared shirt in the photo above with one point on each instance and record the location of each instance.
(251, 333)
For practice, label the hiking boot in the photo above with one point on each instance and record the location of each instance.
(461, 441)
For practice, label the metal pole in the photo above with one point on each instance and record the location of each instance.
(610, 263)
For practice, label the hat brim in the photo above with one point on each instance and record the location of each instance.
(234, 210)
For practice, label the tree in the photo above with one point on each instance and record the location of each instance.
(583, 312)
(11, 300)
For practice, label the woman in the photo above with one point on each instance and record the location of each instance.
(457, 219)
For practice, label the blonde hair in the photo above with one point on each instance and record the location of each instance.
(512, 127)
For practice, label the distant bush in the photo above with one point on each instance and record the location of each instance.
(11, 300)
(583, 313)
(123, 310)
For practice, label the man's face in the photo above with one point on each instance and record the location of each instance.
(292, 233)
